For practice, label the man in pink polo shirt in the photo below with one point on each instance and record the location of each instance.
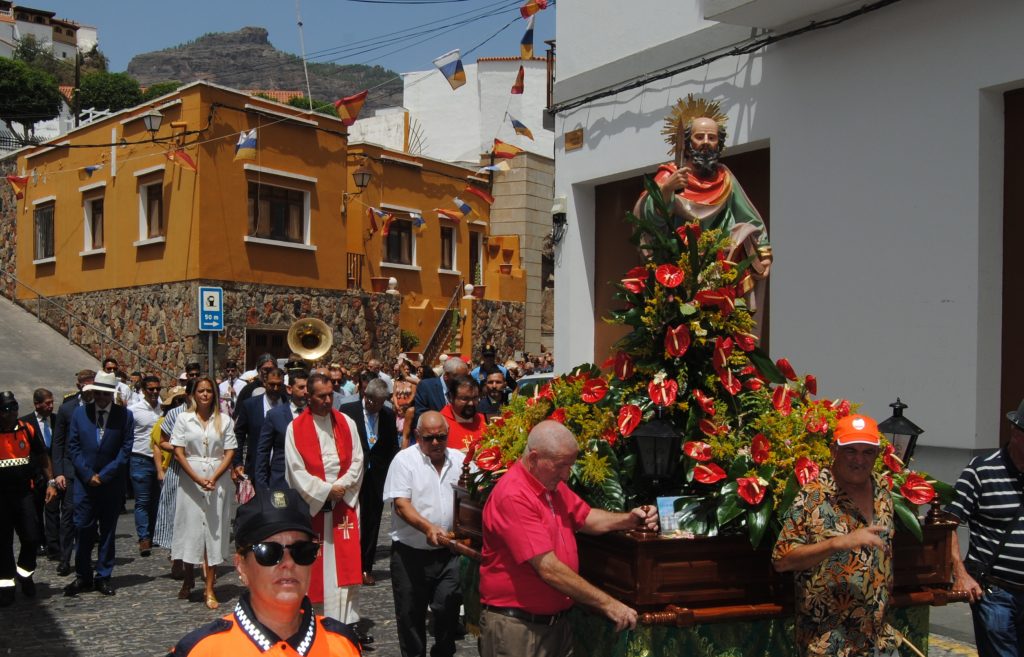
(529, 576)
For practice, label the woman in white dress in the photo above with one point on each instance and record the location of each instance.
(204, 442)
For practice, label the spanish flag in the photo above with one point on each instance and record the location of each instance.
(182, 159)
(507, 151)
(520, 85)
(245, 149)
(18, 184)
(526, 45)
(480, 194)
(349, 106)
(532, 7)
(453, 215)
(450, 65)
(520, 128)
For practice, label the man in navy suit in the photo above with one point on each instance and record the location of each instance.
(64, 471)
(249, 422)
(100, 440)
(270, 448)
(41, 420)
(378, 435)
(434, 394)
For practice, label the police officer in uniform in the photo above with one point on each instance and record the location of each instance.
(276, 550)
(22, 454)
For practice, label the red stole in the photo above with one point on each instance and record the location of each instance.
(706, 192)
(344, 520)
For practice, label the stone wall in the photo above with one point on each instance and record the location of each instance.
(500, 323)
(8, 225)
(159, 322)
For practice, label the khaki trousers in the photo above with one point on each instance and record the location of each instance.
(503, 636)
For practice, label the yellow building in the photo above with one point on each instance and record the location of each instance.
(115, 205)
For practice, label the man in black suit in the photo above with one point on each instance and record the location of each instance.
(434, 394)
(378, 434)
(64, 471)
(100, 440)
(41, 420)
(249, 416)
(270, 466)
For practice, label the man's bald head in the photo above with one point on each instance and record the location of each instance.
(432, 436)
(455, 367)
(550, 437)
(551, 451)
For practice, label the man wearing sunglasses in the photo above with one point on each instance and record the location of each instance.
(424, 572)
(276, 552)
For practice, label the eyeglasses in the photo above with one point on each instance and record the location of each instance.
(266, 370)
(269, 553)
(156, 389)
(434, 438)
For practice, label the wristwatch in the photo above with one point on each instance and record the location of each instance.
(52, 483)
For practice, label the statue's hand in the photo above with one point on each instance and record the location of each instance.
(765, 267)
(674, 184)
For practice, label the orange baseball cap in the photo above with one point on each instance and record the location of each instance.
(856, 430)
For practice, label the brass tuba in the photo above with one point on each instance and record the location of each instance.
(310, 338)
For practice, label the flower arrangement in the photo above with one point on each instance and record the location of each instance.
(753, 431)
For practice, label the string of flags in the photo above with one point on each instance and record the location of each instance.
(532, 7)
(450, 65)
(348, 108)
(505, 150)
(526, 45)
(480, 194)
(245, 149)
(519, 86)
(521, 128)
(181, 158)
(18, 184)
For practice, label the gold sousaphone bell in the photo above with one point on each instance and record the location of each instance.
(310, 338)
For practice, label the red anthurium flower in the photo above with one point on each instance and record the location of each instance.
(681, 232)
(746, 341)
(748, 370)
(917, 490)
(669, 275)
(663, 392)
(707, 404)
(817, 424)
(558, 415)
(887, 480)
(489, 459)
(841, 407)
(806, 470)
(760, 449)
(499, 421)
(693, 230)
(786, 369)
(892, 461)
(723, 349)
(731, 384)
(697, 450)
(594, 390)
(781, 400)
(546, 392)
(708, 473)
(623, 365)
(753, 384)
(751, 490)
(677, 340)
(723, 298)
(629, 418)
(710, 428)
(471, 451)
(811, 384)
(610, 436)
(635, 280)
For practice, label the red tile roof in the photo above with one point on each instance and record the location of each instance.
(509, 59)
(67, 91)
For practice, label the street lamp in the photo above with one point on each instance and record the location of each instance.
(361, 177)
(152, 120)
(657, 445)
(900, 431)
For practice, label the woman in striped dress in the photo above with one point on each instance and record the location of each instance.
(163, 533)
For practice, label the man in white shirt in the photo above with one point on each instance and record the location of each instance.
(231, 385)
(142, 468)
(324, 463)
(374, 365)
(423, 572)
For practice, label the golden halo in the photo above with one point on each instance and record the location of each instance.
(683, 113)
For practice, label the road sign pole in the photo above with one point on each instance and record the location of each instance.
(209, 354)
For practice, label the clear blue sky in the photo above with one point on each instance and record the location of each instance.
(334, 30)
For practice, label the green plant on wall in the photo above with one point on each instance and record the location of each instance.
(453, 341)
(408, 340)
(478, 274)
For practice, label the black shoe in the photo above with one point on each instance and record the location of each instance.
(28, 587)
(41, 551)
(63, 570)
(80, 585)
(103, 586)
(6, 596)
(365, 639)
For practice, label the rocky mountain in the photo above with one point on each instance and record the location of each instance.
(246, 60)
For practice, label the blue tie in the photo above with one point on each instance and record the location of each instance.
(46, 432)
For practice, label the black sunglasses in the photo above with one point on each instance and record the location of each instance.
(269, 553)
(435, 438)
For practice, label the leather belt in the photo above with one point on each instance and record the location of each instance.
(1003, 584)
(519, 614)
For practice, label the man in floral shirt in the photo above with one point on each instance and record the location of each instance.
(837, 538)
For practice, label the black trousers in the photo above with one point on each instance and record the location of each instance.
(371, 505)
(67, 523)
(18, 514)
(420, 578)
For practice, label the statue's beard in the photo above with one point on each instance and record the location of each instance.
(704, 161)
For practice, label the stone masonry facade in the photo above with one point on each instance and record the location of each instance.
(500, 323)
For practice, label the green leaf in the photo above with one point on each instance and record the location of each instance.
(944, 491)
(728, 508)
(740, 466)
(907, 517)
(764, 364)
(757, 520)
(788, 495)
(687, 309)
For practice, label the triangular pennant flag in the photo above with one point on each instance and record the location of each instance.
(521, 129)
(500, 166)
(93, 168)
(349, 106)
(370, 214)
(450, 65)
(245, 149)
(386, 228)
(464, 207)
(520, 83)
(18, 184)
(417, 220)
(480, 194)
(503, 150)
(526, 45)
(454, 215)
(182, 159)
(532, 7)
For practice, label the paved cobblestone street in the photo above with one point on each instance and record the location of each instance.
(146, 618)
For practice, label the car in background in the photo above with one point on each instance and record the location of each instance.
(529, 384)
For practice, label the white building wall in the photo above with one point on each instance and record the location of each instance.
(87, 37)
(886, 189)
(450, 118)
(385, 128)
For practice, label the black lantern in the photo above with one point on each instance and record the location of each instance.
(152, 120)
(657, 445)
(362, 175)
(900, 431)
